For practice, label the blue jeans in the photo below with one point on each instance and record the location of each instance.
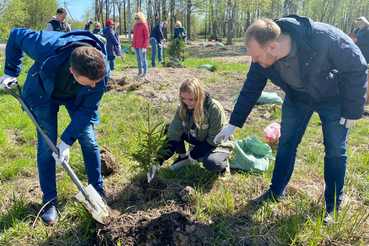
(155, 44)
(46, 115)
(111, 60)
(295, 118)
(141, 60)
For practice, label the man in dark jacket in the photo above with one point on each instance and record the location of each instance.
(70, 69)
(156, 38)
(88, 26)
(58, 22)
(321, 70)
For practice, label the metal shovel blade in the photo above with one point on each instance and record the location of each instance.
(94, 205)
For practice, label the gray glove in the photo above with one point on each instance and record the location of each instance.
(8, 81)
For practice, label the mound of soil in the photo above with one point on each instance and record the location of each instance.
(162, 226)
(120, 84)
(173, 65)
(209, 45)
(109, 164)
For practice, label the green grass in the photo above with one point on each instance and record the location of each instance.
(222, 204)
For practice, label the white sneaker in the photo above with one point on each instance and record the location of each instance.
(144, 76)
(138, 76)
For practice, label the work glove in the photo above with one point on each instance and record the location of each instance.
(192, 159)
(8, 81)
(133, 49)
(154, 169)
(349, 123)
(63, 154)
(224, 134)
(144, 50)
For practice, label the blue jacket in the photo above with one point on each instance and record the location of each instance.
(332, 70)
(180, 33)
(41, 47)
(157, 32)
(112, 42)
(363, 41)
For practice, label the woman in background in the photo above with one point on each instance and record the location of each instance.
(112, 43)
(139, 44)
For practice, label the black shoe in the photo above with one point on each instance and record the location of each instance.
(179, 163)
(103, 196)
(267, 196)
(49, 214)
(331, 215)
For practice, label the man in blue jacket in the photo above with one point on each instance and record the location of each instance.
(156, 38)
(321, 70)
(70, 69)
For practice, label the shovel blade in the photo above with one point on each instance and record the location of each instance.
(94, 204)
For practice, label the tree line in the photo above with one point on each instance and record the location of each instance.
(226, 19)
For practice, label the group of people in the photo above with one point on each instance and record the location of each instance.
(142, 37)
(319, 68)
(106, 35)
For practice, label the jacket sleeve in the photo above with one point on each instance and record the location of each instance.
(82, 117)
(217, 121)
(22, 41)
(345, 55)
(363, 39)
(184, 33)
(146, 36)
(175, 130)
(49, 27)
(161, 28)
(248, 96)
(114, 38)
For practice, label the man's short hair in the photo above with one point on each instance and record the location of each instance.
(61, 11)
(264, 31)
(88, 62)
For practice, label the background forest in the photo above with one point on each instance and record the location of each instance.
(225, 18)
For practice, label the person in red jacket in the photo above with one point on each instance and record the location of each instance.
(140, 43)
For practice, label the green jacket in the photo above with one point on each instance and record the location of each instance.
(214, 122)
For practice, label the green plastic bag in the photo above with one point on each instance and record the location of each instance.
(201, 44)
(251, 155)
(219, 44)
(175, 60)
(266, 98)
(208, 67)
(125, 49)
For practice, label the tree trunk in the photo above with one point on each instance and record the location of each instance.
(106, 10)
(124, 17)
(231, 16)
(172, 6)
(149, 14)
(165, 16)
(129, 21)
(189, 6)
(157, 11)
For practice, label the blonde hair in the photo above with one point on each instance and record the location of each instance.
(264, 31)
(195, 88)
(178, 23)
(141, 16)
(97, 23)
(362, 20)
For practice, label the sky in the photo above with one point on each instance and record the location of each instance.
(77, 7)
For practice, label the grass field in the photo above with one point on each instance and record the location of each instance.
(221, 205)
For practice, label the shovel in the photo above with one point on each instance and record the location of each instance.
(88, 196)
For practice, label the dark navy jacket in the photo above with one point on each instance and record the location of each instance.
(41, 47)
(157, 32)
(363, 41)
(112, 42)
(332, 70)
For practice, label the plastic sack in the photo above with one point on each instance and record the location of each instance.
(125, 49)
(242, 48)
(273, 132)
(175, 60)
(251, 155)
(219, 44)
(269, 98)
(208, 67)
(201, 44)
(266, 98)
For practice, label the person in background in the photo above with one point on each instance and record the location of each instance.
(156, 38)
(321, 70)
(180, 32)
(97, 30)
(88, 26)
(139, 44)
(58, 22)
(362, 41)
(198, 119)
(112, 43)
(70, 69)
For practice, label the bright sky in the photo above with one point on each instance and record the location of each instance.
(77, 8)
